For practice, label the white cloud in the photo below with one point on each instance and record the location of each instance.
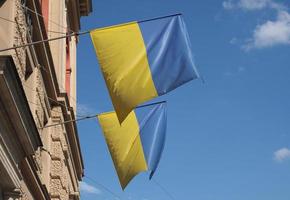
(87, 188)
(234, 40)
(83, 109)
(252, 4)
(271, 33)
(228, 5)
(234, 72)
(241, 69)
(282, 154)
(228, 73)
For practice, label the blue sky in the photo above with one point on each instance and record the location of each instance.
(227, 139)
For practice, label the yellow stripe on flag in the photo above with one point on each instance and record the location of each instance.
(123, 60)
(124, 144)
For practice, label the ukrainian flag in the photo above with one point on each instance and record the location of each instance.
(143, 60)
(137, 144)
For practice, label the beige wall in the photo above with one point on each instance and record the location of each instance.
(7, 28)
(57, 23)
(59, 13)
(58, 164)
(73, 80)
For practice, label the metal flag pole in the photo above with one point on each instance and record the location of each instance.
(79, 33)
(96, 115)
(74, 120)
(162, 17)
(46, 40)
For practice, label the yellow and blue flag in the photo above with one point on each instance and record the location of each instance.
(143, 60)
(135, 145)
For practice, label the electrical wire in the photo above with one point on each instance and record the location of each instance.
(53, 22)
(66, 28)
(104, 187)
(51, 99)
(43, 68)
(8, 20)
(55, 111)
(71, 97)
(11, 21)
(163, 189)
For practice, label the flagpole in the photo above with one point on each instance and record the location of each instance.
(161, 17)
(74, 120)
(46, 40)
(79, 33)
(151, 104)
(96, 115)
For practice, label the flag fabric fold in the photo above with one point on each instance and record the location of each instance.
(135, 145)
(141, 61)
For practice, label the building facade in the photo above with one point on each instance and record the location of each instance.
(38, 89)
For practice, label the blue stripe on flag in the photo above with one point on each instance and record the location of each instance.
(169, 53)
(152, 124)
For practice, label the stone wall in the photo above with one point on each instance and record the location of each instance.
(58, 181)
(53, 161)
(20, 38)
